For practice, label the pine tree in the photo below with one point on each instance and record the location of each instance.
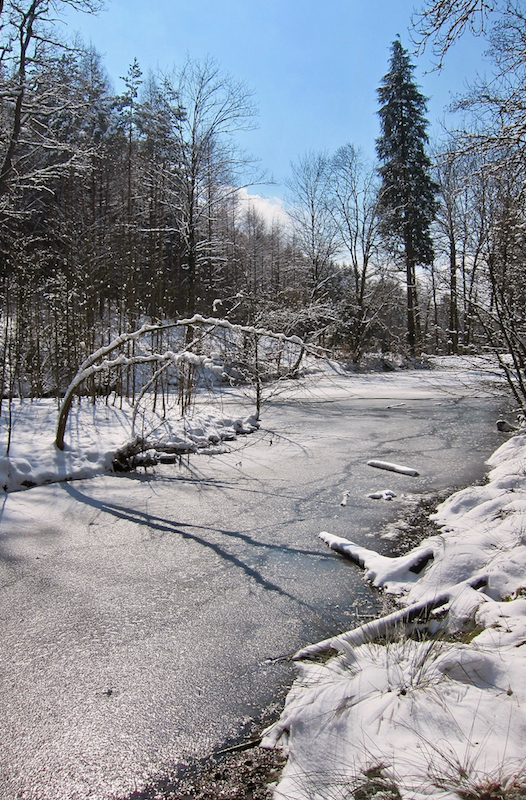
(407, 194)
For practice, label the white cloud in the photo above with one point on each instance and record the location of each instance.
(270, 208)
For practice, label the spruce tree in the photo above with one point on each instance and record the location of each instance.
(407, 194)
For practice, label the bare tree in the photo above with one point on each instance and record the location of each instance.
(27, 34)
(461, 236)
(495, 135)
(316, 231)
(504, 317)
(208, 108)
(352, 201)
(441, 22)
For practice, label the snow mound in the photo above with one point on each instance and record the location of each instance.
(95, 439)
(383, 494)
(423, 718)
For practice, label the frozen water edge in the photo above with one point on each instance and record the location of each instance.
(96, 432)
(99, 439)
(428, 716)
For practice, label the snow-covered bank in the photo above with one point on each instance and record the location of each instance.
(440, 716)
(97, 432)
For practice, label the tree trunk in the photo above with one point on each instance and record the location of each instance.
(453, 300)
(412, 305)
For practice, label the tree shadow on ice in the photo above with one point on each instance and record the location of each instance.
(200, 479)
(166, 526)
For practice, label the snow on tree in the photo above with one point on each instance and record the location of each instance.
(254, 372)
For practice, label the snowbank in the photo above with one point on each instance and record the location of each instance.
(440, 714)
(96, 433)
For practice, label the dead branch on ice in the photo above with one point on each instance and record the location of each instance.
(379, 571)
(393, 468)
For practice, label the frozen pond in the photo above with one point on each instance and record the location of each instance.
(143, 618)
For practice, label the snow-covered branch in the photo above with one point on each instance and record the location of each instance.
(98, 362)
(396, 574)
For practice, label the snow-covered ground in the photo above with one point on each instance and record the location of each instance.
(96, 432)
(440, 714)
(414, 709)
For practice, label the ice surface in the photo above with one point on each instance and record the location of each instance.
(423, 715)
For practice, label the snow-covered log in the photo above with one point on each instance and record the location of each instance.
(381, 570)
(401, 571)
(370, 631)
(382, 627)
(393, 467)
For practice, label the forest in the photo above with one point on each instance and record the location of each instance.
(119, 210)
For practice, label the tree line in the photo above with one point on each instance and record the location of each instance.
(120, 209)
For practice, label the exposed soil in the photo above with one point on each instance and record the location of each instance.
(242, 770)
(232, 776)
(414, 524)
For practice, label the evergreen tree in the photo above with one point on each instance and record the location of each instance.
(407, 195)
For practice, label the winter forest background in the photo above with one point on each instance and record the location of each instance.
(123, 209)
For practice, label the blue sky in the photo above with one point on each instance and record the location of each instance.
(314, 67)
